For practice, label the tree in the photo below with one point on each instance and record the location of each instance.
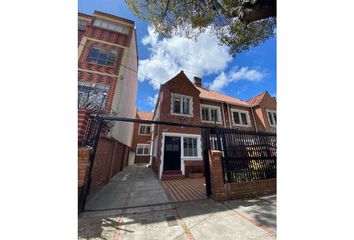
(240, 24)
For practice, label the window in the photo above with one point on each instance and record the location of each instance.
(91, 95)
(144, 129)
(82, 25)
(101, 56)
(143, 149)
(272, 117)
(211, 113)
(241, 118)
(116, 27)
(181, 104)
(190, 147)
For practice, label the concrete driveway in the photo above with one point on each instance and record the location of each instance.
(134, 206)
(135, 186)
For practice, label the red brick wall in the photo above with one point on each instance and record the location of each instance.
(83, 116)
(83, 164)
(111, 157)
(190, 164)
(221, 191)
(141, 139)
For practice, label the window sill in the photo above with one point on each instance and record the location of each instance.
(188, 158)
(142, 155)
(212, 122)
(181, 114)
(102, 65)
(241, 125)
(140, 134)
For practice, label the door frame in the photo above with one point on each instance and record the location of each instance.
(181, 135)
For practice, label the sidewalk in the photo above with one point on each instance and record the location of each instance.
(201, 219)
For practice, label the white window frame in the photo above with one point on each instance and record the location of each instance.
(144, 134)
(209, 112)
(272, 112)
(241, 111)
(173, 95)
(181, 135)
(115, 27)
(143, 146)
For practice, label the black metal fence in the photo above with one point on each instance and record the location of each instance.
(246, 155)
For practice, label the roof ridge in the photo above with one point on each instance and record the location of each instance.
(207, 89)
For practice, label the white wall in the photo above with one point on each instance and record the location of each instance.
(125, 96)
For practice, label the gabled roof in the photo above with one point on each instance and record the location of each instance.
(144, 115)
(215, 96)
(257, 99)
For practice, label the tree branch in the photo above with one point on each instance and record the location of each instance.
(248, 12)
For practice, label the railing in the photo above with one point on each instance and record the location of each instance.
(246, 155)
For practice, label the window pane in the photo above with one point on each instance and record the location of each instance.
(270, 118)
(186, 105)
(111, 27)
(97, 23)
(275, 117)
(104, 25)
(214, 115)
(94, 52)
(82, 25)
(139, 150)
(146, 150)
(102, 58)
(147, 130)
(205, 115)
(244, 118)
(236, 118)
(177, 105)
(190, 147)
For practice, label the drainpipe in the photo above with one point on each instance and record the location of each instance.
(223, 114)
(254, 120)
(228, 113)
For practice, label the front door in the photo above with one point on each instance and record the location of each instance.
(172, 153)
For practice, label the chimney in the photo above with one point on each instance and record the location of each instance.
(198, 81)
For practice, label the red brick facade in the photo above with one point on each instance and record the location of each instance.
(141, 138)
(256, 117)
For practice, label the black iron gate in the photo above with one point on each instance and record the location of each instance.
(246, 155)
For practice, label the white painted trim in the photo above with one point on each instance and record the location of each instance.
(210, 107)
(241, 111)
(148, 125)
(190, 105)
(142, 145)
(271, 111)
(181, 135)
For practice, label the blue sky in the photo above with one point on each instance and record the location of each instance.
(244, 76)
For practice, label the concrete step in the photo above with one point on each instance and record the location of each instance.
(171, 172)
(172, 177)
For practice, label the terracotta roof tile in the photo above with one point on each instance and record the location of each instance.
(212, 95)
(144, 115)
(257, 99)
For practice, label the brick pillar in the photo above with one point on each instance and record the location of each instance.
(216, 176)
(83, 164)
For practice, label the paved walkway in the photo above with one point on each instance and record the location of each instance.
(199, 220)
(135, 186)
(185, 189)
(114, 213)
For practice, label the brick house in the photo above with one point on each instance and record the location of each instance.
(177, 151)
(142, 138)
(107, 71)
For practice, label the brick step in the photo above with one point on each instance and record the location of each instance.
(172, 177)
(169, 172)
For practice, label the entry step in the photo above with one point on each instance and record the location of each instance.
(172, 175)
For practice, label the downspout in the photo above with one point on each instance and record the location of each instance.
(228, 113)
(223, 114)
(254, 120)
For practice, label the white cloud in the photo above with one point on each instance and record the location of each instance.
(169, 56)
(152, 100)
(222, 80)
